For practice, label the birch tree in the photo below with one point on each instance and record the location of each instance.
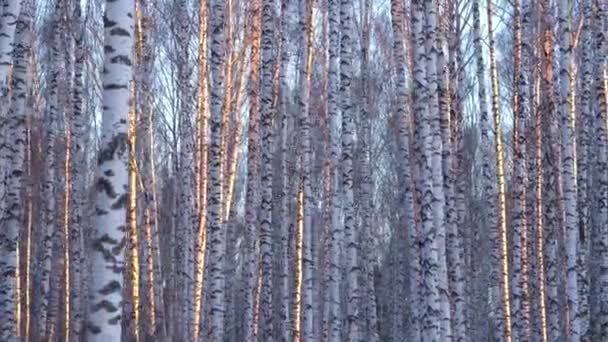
(112, 178)
(13, 182)
(216, 233)
(566, 110)
(333, 323)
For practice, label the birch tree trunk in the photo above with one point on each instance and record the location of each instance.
(351, 229)
(79, 187)
(500, 273)
(284, 325)
(601, 86)
(267, 114)
(333, 322)
(568, 131)
(202, 172)
(306, 28)
(14, 183)
(8, 23)
(252, 200)
(216, 231)
(405, 155)
(112, 177)
(522, 108)
(583, 132)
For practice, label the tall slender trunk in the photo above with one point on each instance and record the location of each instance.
(366, 204)
(434, 79)
(267, 113)
(333, 275)
(582, 166)
(112, 179)
(566, 110)
(216, 231)
(307, 32)
(285, 313)
(202, 173)
(522, 109)
(500, 277)
(14, 182)
(409, 224)
(431, 315)
(8, 24)
(351, 228)
(457, 190)
(601, 86)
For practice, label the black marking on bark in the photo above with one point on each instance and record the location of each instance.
(107, 22)
(114, 320)
(121, 59)
(121, 202)
(108, 173)
(105, 305)
(117, 250)
(114, 86)
(118, 144)
(108, 49)
(103, 185)
(119, 31)
(100, 212)
(111, 287)
(93, 328)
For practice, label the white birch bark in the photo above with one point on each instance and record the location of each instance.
(13, 184)
(351, 229)
(284, 324)
(333, 322)
(306, 29)
(601, 86)
(112, 175)
(566, 110)
(8, 23)
(431, 314)
(583, 132)
(252, 200)
(267, 114)
(405, 155)
(521, 305)
(216, 232)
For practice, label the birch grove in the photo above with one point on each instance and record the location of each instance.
(206, 170)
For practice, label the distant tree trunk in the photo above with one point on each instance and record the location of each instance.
(583, 132)
(550, 160)
(8, 24)
(522, 109)
(351, 228)
(267, 114)
(305, 26)
(500, 273)
(457, 223)
(601, 86)
(216, 231)
(79, 186)
(49, 296)
(112, 181)
(13, 181)
(287, 219)
(333, 275)
(568, 131)
(252, 200)
(202, 172)
(435, 82)
(431, 314)
(409, 230)
(366, 202)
